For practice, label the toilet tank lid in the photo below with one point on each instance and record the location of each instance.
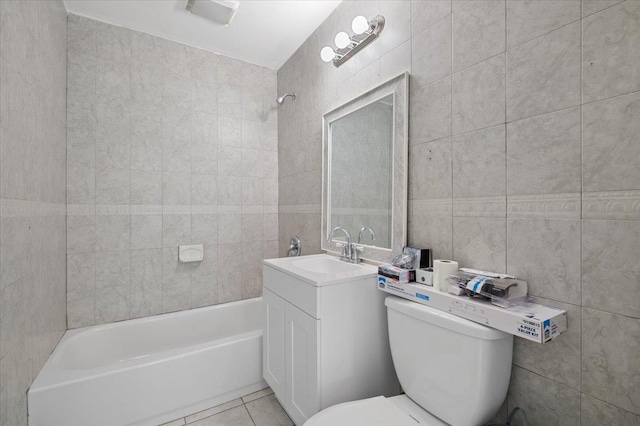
(443, 319)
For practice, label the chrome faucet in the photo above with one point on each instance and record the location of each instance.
(348, 249)
(362, 230)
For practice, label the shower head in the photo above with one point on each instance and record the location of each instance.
(281, 99)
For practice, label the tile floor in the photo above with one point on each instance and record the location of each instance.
(256, 409)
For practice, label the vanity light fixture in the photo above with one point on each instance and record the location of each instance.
(346, 46)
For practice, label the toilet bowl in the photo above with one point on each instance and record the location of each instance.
(453, 372)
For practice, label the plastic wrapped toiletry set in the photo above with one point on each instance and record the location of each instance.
(504, 292)
(498, 300)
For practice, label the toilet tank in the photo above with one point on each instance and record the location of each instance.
(455, 369)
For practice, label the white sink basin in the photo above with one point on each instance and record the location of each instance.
(325, 266)
(322, 269)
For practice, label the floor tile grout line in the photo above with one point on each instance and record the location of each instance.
(243, 404)
(249, 412)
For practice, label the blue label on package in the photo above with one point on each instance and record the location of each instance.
(422, 296)
(381, 282)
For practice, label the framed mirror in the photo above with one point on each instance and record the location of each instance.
(364, 167)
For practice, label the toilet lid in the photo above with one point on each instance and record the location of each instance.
(376, 411)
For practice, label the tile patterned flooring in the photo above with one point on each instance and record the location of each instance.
(256, 409)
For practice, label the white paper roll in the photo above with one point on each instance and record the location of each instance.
(441, 270)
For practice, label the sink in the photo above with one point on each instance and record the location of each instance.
(325, 266)
(321, 269)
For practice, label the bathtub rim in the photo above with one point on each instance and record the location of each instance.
(53, 374)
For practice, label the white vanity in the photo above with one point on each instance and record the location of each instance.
(325, 336)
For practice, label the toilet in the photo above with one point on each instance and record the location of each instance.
(453, 372)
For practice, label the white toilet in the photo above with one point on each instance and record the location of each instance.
(453, 371)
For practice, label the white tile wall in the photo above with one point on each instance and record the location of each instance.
(32, 195)
(168, 145)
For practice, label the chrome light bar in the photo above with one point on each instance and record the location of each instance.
(357, 42)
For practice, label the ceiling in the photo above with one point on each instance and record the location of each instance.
(263, 32)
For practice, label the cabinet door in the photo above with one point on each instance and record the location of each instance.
(302, 364)
(273, 345)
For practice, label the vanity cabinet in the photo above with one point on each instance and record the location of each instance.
(325, 337)
(290, 356)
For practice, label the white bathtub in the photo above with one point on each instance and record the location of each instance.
(151, 370)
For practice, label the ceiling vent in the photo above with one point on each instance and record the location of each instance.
(220, 11)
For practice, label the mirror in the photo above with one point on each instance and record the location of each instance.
(365, 170)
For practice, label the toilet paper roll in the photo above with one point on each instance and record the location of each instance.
(441, 270)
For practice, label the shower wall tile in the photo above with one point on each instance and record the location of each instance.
(204, 229)
(146, 187)
(397, 22)
(113, 232)
(252, 255)
(431, 54)
(609, 353)
(611, 52)
(229, 191)
(544, 154)
(113, 43)
(478, 32)
(480, 243)
(610, 137)
(176, 230)
(395, 62)
(596, 412)
(553, 243)
(430, 114)
(426, 13)
(81, 40)
(113, 186)
(304, 188)
(430, 162)
(527, 20)
(610, 249)
(553, 204)
(545, 401)
(81, 73)
(81, 233)
(146, 282)
(204, 290)
(590, 7)
(543, 75)
(229, 227)
(33, 158)
(484, 150)
(252, 191)
(430, 223)
(146, 231)
(229, 280)
(204, 190)
(166, 144)
(478, 96)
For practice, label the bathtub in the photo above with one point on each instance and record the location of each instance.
(151, 370)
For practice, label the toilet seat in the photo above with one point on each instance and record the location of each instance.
(377, 411)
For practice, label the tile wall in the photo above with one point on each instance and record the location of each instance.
(544, 98)
(167, 145)
(33, 40)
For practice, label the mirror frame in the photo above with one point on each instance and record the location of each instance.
(399, 87)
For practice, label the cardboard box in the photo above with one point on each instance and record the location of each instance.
(397, 274)
(530, 321)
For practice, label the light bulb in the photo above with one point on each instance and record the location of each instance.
(360, 24)
(342, 40)
(327, 54)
